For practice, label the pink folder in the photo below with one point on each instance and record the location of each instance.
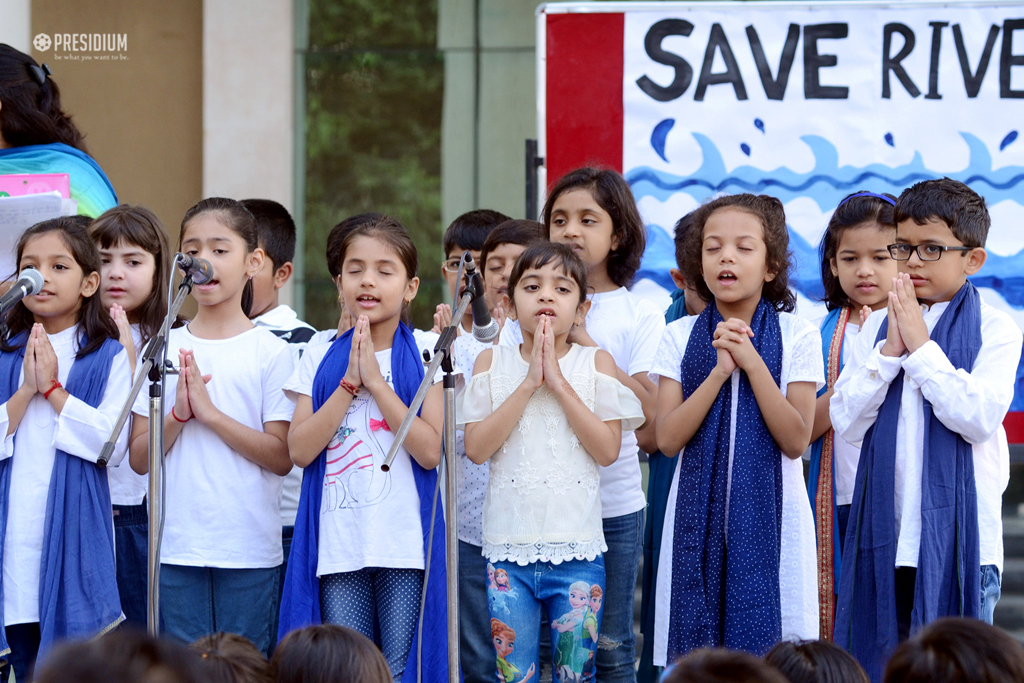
(18, 185)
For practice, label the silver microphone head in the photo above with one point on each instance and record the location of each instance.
(34, 280)
(488, 333)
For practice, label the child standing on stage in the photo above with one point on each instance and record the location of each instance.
(593, 211)
(225, 443)
(924, 393)
(857, 272)
(64, 381)
(547, 414)
(736, 398)
(360, 551)
(136, 269)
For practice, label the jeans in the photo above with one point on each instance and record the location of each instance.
(476, 652)
(198, 601)
(286, 546)
(991, 589)
(23, 639)
(573, 593)
(131, 544)
(616, 654)
(376, 600)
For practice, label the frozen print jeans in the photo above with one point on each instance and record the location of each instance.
(572, 593)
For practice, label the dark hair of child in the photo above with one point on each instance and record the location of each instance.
(815, 661)
(127, 656)
(275, 230)
(232, 658)
(469, 230)
(232, 214)
(327, 654)
(514, 231)
(541, 254)
(31, 113)
(950, 201)
(138, 225)
(611, 192)
(957, 650)
(337, 236)
(682, 229)
(721, 666)
(95, 321)
(769, 211)
(852, 212)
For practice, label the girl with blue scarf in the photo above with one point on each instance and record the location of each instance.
(63, 378)
(857, 272)
(736, 393)
(365, 540)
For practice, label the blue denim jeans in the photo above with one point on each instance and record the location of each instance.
(573, 593)
(286, 546)
(131, 544)
(616, 654)
(991, 589)
(198, 601)
(476, 652)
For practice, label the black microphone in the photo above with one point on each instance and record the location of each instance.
(485, 329)
(30, 281)
(200, 269)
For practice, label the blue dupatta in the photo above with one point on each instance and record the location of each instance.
(300, 603)
(78, 595)
(725, 586)
(948, 577)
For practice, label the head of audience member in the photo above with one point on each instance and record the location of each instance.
(941, 228)
(691, 298)
(125, 656)
(708, 665)
(275, 234)
(30, 111)
(328, 653)
(467, 233)
(233, 658)
(499, 253)
(957, 650)
(815, 661)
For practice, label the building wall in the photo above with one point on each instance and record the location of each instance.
(16, 25)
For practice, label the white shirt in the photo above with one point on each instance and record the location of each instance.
(368, 518)
(283, 318)
(543, 500)
(472, 477)
(127, 487)
(798, 587)
(972, 404)
(79, 430)
(222, 509)
(628, 327)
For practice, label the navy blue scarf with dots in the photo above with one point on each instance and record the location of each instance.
(725, 587)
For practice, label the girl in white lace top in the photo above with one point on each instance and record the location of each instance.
(545, 414)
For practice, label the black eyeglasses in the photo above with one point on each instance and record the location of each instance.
(926, 252)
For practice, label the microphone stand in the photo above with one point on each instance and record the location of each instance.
(154, 368)
(443, 358)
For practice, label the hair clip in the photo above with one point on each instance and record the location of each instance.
(39, 73)
(890, 200)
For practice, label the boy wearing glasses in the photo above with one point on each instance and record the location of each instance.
(924, 392)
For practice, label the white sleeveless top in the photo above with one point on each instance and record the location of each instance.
(543, 500)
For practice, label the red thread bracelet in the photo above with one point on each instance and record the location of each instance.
(178, 418)
(56, 385)
(348, 386)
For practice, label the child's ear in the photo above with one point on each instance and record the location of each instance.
(833, 267)
(90, 284)
(975, 260)
(256, 261)
(769, 276)
(411, 288)
(677, 277)
(581, 312)
(283, 274)
(510, 307)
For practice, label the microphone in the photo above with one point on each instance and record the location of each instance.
(200, 269)
(485, 329)
(30, 281)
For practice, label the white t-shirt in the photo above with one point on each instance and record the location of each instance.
(972, 404)
(127, 487)
(798, 586)
(368, 518)
(629, 328)
(80, 431)
(472, 477)
(283, 319)
(222, 509)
